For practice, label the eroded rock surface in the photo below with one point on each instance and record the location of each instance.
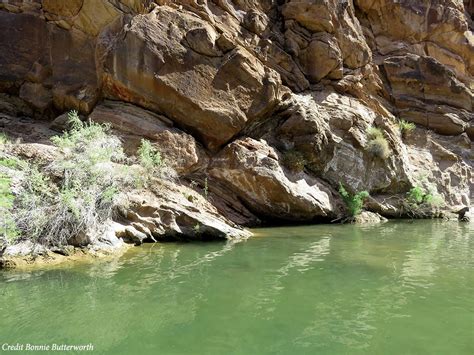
(230, 90)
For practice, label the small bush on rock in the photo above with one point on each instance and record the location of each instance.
(79, 203)
(405, 127)
(374, 132)
(70, 200)
(83, 188)
(422, 203)
(294, 160)
(354, 203)
(152, 161)
(377, 144)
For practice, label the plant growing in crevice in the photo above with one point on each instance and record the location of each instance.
(421, 203)
(405, 127)
(354, 203)
(153, 162)
(377, 144)
(294, 160)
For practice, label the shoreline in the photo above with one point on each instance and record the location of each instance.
(98, 253)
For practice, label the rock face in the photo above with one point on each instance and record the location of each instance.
(267, 102)
(252, 170)
(172, 212)
(179, 69)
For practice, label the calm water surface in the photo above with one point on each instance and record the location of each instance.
(399, 288)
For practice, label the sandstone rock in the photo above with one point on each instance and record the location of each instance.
(322, 58)
(404, 23)
(420, 85)
(251, 169)
(366, 217)
(23, 42)
(41, 154)
(36, 95)
(330, 131)
(213, 97)
(60, 123)
(206, 73)
(94, 15)
(24, 248)
(166, 213)
(61, 8)
(180, 150)
(316, 17)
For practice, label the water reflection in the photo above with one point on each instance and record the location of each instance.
(301, 261)
(322, 289)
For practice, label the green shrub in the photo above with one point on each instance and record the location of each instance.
(8, 230)
(377, 144)
(294, 160)
(354, 203)
(84, 188)
(11, 163)
(374, 132)
(422, 203)
(416, 195)
(378, 147)
(153, 163)
(150, 158)
(405, 127)
(55, 212)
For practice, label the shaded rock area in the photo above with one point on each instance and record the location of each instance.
(366, 217)
(264, 105)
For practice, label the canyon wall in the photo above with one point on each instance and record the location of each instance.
(269, 102)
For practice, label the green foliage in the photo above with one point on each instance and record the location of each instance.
(149, 157)
(416, 195)
(374, 132)
(83, 199)
(11, 163)
(6, 196)
(294, 160)
(153, 163)
(421, 202)
(405, 127)
(84, 187)
(377, 144)
(4, 139)
(90, 141)
(354, 203)
(8, 228)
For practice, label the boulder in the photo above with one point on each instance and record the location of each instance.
(366, 217)
(168, 62)
(252, 170)
(179, 150)
(168, 211)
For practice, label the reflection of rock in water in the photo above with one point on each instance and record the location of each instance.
(301, 261)
(463, 215)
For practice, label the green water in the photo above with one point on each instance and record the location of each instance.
(400, 288)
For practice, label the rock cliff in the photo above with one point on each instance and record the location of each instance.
(234, 91)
